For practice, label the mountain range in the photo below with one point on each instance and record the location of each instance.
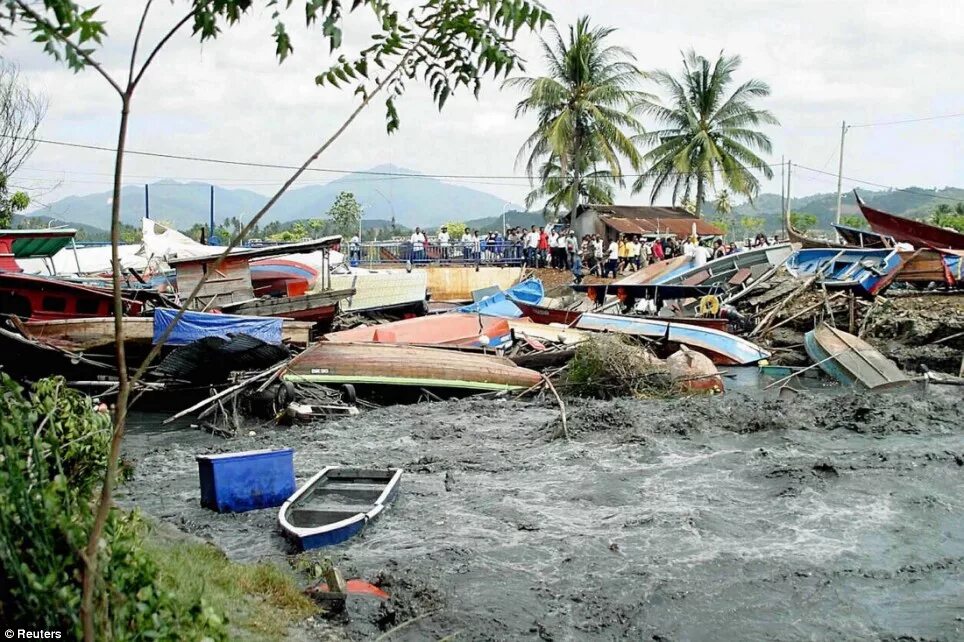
(386, 192)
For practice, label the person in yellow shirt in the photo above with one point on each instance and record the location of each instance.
(623, 253)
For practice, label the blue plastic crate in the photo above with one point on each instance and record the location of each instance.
(238, 482)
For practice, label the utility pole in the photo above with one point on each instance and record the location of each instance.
(843, 133)
(211, 235)
(787, 215)
(147, 201)
(783, 197)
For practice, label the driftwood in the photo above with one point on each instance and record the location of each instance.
(762, 325)
(227, 391)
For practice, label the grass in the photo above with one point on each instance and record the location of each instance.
(261, 601)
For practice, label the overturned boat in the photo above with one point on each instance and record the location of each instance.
(386, 365)
(851, 360)
(868, 272)
(721, 347)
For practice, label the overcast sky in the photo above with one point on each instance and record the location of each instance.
(860, 60)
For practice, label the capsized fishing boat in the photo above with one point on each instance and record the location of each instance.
(376, 364)
(451, 329)
(721, 347)
(734, 271)
(336, 504)
(658, 272)
(917, 233)
(496, 302)
(851, 360)
(866, 271)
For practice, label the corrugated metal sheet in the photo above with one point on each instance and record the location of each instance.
(642, 211)
(675, 226)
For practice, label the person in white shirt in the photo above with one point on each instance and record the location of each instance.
(612, 262)
(443, 242)
(418, 246)
(354, 249)
(689, 248)
(701, 254)
(467, 244)
(532, 247)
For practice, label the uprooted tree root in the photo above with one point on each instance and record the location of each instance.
(611, 365)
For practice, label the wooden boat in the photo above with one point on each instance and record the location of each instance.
(693, 371)
(81, 335)
(336, 504)
(451, 329)
(916, 233)
(722, 348)
(734, 271)
(866, 271)
(541, 313)
(378, 364)
(656, 272)
(317, 307)
(856, 237)
(852, 361)
(542, 332)
(39, 298)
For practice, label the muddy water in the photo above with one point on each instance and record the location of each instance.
(728, 518)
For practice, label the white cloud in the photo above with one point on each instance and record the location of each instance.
(859, 60)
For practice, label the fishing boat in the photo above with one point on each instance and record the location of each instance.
(658, 272)
(336, 504)
(851, 360)
(866, 271)
(546, 314)
(39, 298)
(734, 271)
(721, 347)
(451, 329)
(856, 237)
(381, 365)
(917, 233)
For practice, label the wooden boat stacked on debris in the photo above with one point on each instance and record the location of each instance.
(459, 329)
(376, 364)
(917, 233)
(336, 504)
(866, 271)
(722, 348)
(852, 361)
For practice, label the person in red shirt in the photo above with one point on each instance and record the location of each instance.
(657, 250)
(543, 246)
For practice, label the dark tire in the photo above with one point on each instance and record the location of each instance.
(348, 393)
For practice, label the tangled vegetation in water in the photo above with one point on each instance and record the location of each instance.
(612, 365)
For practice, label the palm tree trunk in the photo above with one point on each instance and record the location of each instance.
(700, 188)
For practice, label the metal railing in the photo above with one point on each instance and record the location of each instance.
(457, 253)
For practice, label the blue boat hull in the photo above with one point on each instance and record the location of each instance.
(865, 271)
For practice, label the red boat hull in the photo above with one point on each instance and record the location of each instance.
(37, 298)
(914, 232)
(542, 314)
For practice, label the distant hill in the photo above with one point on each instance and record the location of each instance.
(409, 199)
(84, 232)
(919, 202)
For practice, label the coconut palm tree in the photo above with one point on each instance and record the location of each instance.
(706, 134)
(556, 186)
(585, 110)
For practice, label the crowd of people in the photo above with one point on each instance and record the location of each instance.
(562, 249)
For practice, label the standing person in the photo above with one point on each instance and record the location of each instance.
(443, 243)
(532, 247)
(354, 250)
(700, 253)
(466, 245)
(476, 246)
(612, 262)
(689, 247)
(553, 248)
(418, 246)
(622, 250)
(598, 253)
(576, 266)
(719, 250)
(637, 252)
(572, 249)
(543, 247)
(657, 250)
(647, 252)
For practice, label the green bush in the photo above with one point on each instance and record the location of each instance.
(53, 454)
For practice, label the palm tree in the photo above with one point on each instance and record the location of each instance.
(704, 131)
(586, 115)
(556, 186)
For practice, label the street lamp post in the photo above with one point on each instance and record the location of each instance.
(504, 228)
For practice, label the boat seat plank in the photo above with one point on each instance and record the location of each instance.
(697, 278)
(341, 486)
(326, 509)
(740, 276)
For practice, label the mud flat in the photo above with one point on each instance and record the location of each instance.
(734, 517)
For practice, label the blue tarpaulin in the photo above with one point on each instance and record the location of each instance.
(199, 325)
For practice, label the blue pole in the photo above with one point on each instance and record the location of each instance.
(147, 201)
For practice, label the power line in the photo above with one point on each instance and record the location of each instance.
(890, 187)
(909, 120)
(222, 161)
